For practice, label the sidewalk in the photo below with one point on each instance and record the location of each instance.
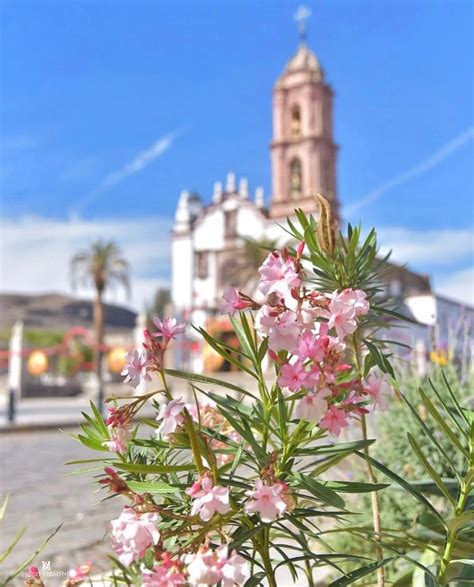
(53, 413)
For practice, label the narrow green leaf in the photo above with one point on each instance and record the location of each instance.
(153, 469)
(361, 572)
(404, 484)
(204, 379)
(153, 487)
(322, 492)
(430, 470)
(12, 544)
(442, 423)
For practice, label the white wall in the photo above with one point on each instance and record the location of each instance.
(182, 262)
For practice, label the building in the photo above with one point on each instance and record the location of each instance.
(208, 239)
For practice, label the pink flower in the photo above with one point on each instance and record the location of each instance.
(234, 301)
(33, 572)
(80, 573)
(136, 368)
(378, 388)
(166, 574)
(171, 416)
(357, 299)
(132, 534)
(309, 347)
(267, 500)
(334, 420)
(208, 568)
(313, 405)
(202, 568)
(341, 318)
(281, 327)
(344, 308)
(234, 568)
(119, 437)
(208, 499)
(278, 275)
(293, 376)
(355, 403)
(168, 327)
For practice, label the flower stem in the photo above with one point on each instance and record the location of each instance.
(466, 487)
(375, 509)
(374, 496)
(266, 560)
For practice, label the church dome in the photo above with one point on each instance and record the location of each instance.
(304, 59)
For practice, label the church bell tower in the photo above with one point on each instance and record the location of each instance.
(303, 151)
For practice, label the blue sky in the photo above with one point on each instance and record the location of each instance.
(110, 109)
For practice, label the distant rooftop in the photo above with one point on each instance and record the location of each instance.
(59, 312)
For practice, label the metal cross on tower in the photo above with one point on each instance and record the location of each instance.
(301, 16)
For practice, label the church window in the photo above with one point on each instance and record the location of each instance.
(296, 180)
(202, 264)
(230, 223)
(295, 122)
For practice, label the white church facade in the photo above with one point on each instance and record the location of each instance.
(207, 237)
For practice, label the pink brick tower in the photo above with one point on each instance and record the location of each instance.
(303, 151)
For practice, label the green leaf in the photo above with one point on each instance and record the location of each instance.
(404, 484)
(430, 470)
(441, 421)
(322, 492)
(355, 487)
(204, 379)
(153, 487)
(4, 507)
(12, 545)
(99, 419)
(244, 335)
(153, 469)
(31, 558)
(361, 572)
(92, 443)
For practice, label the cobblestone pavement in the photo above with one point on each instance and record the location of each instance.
(42, 497)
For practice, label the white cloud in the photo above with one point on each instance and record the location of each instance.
(419, 169)
(35, 253)
(459, 286)
(427, 247)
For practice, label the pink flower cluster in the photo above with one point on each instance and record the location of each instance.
(139, 364)
(208, 498)
(132, 534)
(312, 328)
(136, 366)
(168, 573)
(269, 501)
(79, 574)
(208, 567)
(118, 424)
(171, 415)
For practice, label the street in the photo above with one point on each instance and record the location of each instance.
(42, 496)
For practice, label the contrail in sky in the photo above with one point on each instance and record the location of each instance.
(142, 160)
(418, 169)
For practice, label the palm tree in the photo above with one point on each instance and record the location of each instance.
(103, 266)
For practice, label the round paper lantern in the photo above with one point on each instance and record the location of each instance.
(116, 359)
(37, 363)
